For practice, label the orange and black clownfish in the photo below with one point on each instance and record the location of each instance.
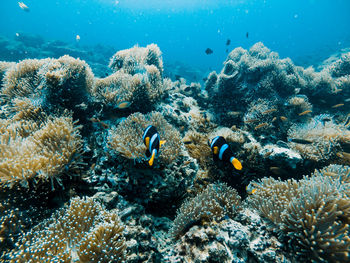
(152, 141)
(221, 151)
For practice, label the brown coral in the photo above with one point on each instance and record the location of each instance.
(83, 232)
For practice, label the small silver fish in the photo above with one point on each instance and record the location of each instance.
(23, 6)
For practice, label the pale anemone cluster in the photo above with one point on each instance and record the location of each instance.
(126, 138)
(314, 213)
(137, 79)
(48, 83)
(213, 203)
(32, 153)
(82, 232)
(325, 138)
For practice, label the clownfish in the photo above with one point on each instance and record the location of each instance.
(251, 188)
(221, 151)
(152, 141)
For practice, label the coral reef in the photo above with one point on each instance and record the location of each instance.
(4, 66)
(215, 202)
(83, 231)
(58, 123)
(50, 83)
(244, 239)
(137, 81)
(123, 90)
(313, 213)
(325, 140)
(134, 60)
(33, 154)
(126, 138)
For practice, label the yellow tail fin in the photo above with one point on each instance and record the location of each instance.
(147, 142)
(161, 143)
(150, 162)
(237, 164)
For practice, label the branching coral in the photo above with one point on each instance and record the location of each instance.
(314, 213)
(83, 232)
(126, 138)
(325, 139)
(34, 153)
(215, 202)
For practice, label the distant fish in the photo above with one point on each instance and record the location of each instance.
(228, 42)
(23, 6)
(77, 38)
(264, 124)
(153, 143)
(301, 141)
(221, 151)
(251, 120)
(17, 34)
(276, 170)
(247, 35)
(283, 118)
(269, 111)
(338, 105)
(209, 51)
(305, 112)
(123, 105)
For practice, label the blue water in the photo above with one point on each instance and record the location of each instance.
(308, 31)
